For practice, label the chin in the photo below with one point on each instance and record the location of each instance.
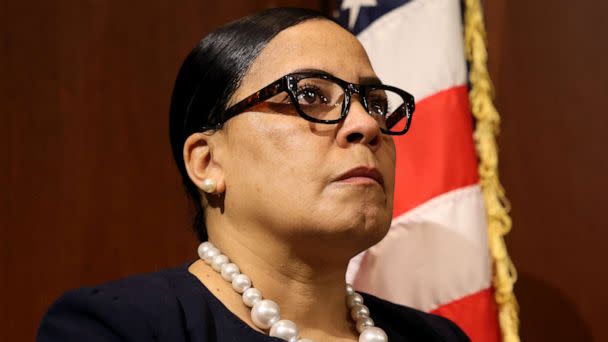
(337, 239)
(375, 230)
(355, 231)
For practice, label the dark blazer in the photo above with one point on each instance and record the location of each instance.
(173, 305)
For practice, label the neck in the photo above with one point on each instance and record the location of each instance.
(307, 283)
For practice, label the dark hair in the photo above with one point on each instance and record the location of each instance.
(209, 76)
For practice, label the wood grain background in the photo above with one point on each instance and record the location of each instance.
(548, 61)
(90, 192)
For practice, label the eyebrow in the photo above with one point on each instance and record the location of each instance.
(362, 80)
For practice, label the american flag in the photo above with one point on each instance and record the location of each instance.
(436, 256)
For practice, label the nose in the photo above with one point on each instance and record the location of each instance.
(359, 128)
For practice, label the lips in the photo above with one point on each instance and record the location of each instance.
(361, 172)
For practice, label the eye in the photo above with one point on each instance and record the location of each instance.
(311, 95)
(378, 106)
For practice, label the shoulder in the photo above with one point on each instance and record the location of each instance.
(136, 308)
(411, 324)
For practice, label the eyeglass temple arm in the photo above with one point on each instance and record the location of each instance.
(260, 96)
(406, 109)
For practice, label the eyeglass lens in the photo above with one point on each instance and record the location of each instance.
(323, 99)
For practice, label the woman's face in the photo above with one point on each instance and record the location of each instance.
(283, 173)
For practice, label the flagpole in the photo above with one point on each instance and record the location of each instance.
(497, 206)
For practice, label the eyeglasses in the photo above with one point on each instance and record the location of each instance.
(325, 99)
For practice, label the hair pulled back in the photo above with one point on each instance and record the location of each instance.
(210, 75)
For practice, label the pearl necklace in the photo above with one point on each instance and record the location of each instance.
(266, 314)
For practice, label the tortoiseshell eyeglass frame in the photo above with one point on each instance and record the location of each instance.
(289, 83)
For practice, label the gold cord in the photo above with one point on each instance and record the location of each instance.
(497, 205)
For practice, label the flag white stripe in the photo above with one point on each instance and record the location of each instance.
(432, 255)
(418, 47)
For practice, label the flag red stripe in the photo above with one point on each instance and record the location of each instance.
(438, 154)
(475, 314)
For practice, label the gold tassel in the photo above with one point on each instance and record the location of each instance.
(497, 205)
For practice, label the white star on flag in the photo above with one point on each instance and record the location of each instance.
(354, 6)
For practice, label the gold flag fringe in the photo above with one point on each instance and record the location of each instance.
(497, 205)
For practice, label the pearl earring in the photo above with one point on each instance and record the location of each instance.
(209, 185)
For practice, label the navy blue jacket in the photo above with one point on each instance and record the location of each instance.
(173, 305)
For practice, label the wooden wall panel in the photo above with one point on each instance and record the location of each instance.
(89, 189)
(548, 61)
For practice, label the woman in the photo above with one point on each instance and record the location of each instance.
(283, 136)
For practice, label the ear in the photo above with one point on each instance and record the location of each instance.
(200, 163)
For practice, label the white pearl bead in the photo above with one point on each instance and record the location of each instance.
(241, 282)
(284, 329)
(373, 334)
(359, 311)
(364, 323)
(265, 313)
(251, 296)
(218, 261)
(209, 185)
(203, 247)
(229, 271)
(210, 254)
(350, 290)
(353, 300)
